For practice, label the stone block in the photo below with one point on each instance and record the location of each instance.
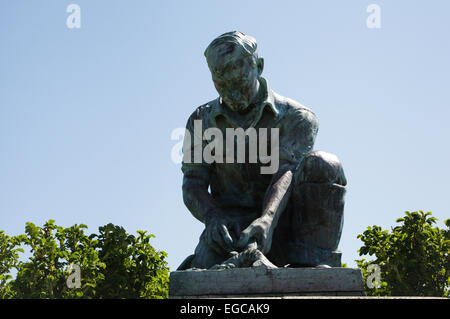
(260, 281)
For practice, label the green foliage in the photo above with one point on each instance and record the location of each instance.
(134, 269)
(8, 259)
(112, 264)
(414, 258)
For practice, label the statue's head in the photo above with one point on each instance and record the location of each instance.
(235, 67)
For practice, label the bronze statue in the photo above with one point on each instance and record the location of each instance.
(292, 215)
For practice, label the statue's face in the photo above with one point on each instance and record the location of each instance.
(235, 76)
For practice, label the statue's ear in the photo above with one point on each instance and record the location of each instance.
(260, 64)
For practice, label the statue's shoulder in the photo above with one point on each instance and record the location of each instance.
(293, 110)
(205, 111)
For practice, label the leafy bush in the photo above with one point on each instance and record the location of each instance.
(134, 269)
(111, 264)
(413, 257)
(8, 259)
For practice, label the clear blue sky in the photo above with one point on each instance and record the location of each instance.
(86, 114)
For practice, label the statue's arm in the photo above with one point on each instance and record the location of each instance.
(203, 207)
(196, 175)
(260, 231)
(196, 196)
(277, 196)
(296, 142)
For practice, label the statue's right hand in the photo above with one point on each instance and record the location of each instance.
(218, 236)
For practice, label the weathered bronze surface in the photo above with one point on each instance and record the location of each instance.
(291, 216)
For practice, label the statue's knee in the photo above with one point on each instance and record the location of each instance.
(321, 167)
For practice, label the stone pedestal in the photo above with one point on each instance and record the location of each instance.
(263, 282)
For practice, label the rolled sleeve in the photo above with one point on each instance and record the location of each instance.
(201, 169)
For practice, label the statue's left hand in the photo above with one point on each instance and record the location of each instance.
(259, 231)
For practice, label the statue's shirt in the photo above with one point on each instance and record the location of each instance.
(241, 185)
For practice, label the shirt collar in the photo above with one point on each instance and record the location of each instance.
(267, 102)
